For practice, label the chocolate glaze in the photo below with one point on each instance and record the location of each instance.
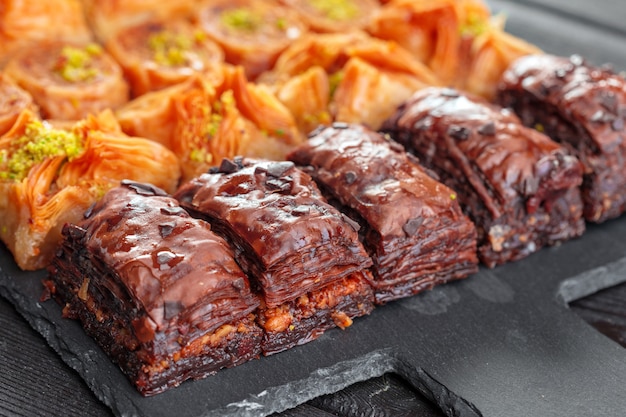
(151, 283)
(583, 107)
(170, 263)
(410, 222)
(518, 186)
(285, 234)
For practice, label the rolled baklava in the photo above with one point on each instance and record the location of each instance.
(69, 81)
(520, 188)
(13, 101)
(302, 254)
(411, 225)
(334, 16)
(252, 32)
(158, 54)
(583, 107)
(26, 23)
(108, 17)
(158, 290)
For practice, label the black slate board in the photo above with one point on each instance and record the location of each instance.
(501, 343)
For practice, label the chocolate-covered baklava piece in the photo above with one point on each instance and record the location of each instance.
(583, 107)
(411, 224)
(157, 289)
(302, 254)
(520, 188)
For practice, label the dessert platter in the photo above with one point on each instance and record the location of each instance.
(229, 208)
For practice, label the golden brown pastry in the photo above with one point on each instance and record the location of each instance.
(204, 122)
(334, 16)
(251, 32)
(155, 55)
(13, 100)
(51, 176)
(69, 81)
(367, 77)
(491, 53)
(307, 96)
(431, 30)
(24, 23)
(107, 17)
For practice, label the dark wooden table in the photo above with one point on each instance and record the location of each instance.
(35, 382)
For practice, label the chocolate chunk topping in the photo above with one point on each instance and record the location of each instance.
(350, 177)
(355, 225)
(282, 185)
(459, 132)
(577, 60)
(413, 159)
(239, 283)
(164, 257)
(411, 227)
(172, 309)
(609, 102)
(76, 232)
(340, 125)
(316, 131)
(530, 186)
(166, 229)
(601, 117)
(560, 73)
(227, 166)
(277, 169)
(396, 146)
(173, 211)
(300, 211)
(143, 189)
(543, 90)
(423, 124)
(89, 211)
(488, 129)
(449, 92)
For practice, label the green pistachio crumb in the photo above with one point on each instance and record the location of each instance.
(474, 26)
(170, 49)
(40, 141)
(281, 23)
(241, 19)
(77, 64)
(200, 156)
(334, 80)
(336, 9)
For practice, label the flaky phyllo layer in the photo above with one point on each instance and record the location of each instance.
(50, 176)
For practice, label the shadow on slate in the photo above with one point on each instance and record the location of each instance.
(605, 311)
